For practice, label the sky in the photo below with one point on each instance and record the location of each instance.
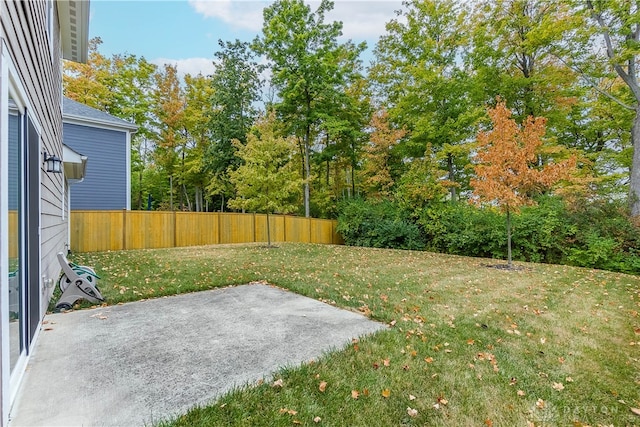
(186, 32)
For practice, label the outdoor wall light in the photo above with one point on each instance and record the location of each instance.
(53, 162)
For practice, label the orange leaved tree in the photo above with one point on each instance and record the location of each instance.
(508, 167)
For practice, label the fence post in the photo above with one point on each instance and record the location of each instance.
(124, 229)
(175, 230)
(254, 227)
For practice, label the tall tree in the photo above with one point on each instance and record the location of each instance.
(197, 93)
(614, 26)
(507, 167)
(267, 180)
(377, 171)
(420, 75)
(235, 89)
(308, 67)
(514, 56)
(171, 144)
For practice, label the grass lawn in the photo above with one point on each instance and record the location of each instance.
(469, 345)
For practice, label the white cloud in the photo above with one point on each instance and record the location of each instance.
(191, 66)
(362, 19)
(239, 14)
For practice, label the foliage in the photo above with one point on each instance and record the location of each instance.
(507, 171)
(266, 181)
(377, 171)
(310, 69)
(378, 224)
(235, 88)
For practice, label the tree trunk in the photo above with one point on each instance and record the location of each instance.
(634, 182)
(268, 232)
(509, 262)
(307, 172)
(452, 178)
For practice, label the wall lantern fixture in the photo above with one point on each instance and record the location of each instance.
(53, 162)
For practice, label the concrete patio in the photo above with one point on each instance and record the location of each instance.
(136, 363)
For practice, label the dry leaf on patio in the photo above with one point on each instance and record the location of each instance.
(323, 386)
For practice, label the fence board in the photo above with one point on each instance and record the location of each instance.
(93, 231)
(196, 228)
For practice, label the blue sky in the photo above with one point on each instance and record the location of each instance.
(185, 32)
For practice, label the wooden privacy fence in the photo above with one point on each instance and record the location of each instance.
(93, 231)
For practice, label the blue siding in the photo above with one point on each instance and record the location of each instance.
(105, 183)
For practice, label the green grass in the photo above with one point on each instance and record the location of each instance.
(468, 345)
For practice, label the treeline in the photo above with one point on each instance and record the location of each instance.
(403, 133)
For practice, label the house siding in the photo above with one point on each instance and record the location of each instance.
(105, 184)
(40, 70)
(34, 57)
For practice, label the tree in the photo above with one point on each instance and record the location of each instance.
(615, 25)
(267, 180)
(235, 88)
(419, 73)
(308, 67)
(377, 170)
(171, 143)
(507, 170)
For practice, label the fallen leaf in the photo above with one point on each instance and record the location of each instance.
(521, 393)
(558, 386)
(428, 359)
(386, 393)
(470, 341)
(543, 340)
(278, 383)
(635, 411)
(540, 404)
(488, 422)
(569, 379)
(317, 419)
(513, 381)
(288, 411)
(386, 362)
(323, 386)
(412, 412)
(412, 397)
(355, 394)
(365, 392)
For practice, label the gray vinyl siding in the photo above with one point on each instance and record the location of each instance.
(105, 184)
(39, 69)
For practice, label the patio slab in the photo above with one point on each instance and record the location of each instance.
(136, 363)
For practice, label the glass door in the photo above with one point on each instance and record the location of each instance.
(15, 193)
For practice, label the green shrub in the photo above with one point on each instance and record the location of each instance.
(595, 234)
(378, 224)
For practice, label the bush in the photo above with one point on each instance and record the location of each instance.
(379, 225)
(595, 234)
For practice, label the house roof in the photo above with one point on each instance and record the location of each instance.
(74, 29)
(73, 111)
